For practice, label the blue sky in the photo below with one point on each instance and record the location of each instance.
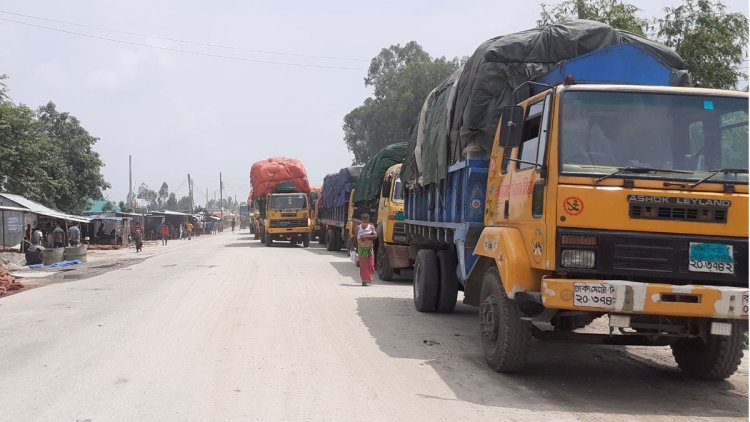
(180, 113)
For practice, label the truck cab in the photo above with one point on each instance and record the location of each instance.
(287, 218)
(624, 201)
(392, 250)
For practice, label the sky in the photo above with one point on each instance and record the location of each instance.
(258, 78)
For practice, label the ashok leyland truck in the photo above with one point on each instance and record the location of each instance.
(595, 187)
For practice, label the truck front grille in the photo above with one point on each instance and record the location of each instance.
(680, 213)
(399, 229)
(282, 224)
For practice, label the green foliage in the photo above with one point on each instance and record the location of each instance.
(72, 164)
(108, 206)
(124, 207)
(711, 41)
(147, 194)
(47, 157)
(3, 88)
(614, 13)
(401, 78)
(171, 202)
(163, 195)
(183, 204)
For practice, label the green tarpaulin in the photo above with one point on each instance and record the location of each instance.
(368, 185)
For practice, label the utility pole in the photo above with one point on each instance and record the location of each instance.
(190, 193)
(221, 195)
(131, 200)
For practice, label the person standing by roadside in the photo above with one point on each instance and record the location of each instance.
(58, 236)
(365, 239)
(138, 237)
(189, 230)
(36, 237)
(74, 235)
(234, 222)
(164, 231)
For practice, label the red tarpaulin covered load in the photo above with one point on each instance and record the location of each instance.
(268, 173)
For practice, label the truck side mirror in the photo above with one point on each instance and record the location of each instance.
(385, 188)
(511, 125)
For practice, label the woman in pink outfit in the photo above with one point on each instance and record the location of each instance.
(365, 238)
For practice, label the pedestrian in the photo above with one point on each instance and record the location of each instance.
(36, 237)
(189, 230)
(164, 231)
(233, 223)
(58, 236)
(74, 235)
(365, 240)
(138, 237)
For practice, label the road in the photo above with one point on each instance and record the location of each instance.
(223, 328)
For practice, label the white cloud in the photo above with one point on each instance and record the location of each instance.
(127, 66)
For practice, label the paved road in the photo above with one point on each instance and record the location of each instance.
(222, 328)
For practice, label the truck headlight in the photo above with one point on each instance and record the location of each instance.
(578, 258)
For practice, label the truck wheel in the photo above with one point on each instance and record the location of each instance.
(385, 272)
(331, 240)
(504, 335)
(425, 281)
(306, 240)
(269, 240)
(448, 291)
(715, 359)
(321, 236)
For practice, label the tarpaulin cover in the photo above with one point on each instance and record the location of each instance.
(470, 100)
(338, 186)
(266, 174)
(368, 185)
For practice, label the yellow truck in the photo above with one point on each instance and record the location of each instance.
(622, 208)
(392, 251)
(281, 195)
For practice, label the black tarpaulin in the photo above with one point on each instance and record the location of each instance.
(471, 99)
(368, 185)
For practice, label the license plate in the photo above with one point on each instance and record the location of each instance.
(711, 258)
(594, 295)
(744, 305)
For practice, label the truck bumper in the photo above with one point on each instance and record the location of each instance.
(629, 297)
(288, 231)
(398, 256)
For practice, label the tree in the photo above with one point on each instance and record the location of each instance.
(147, 194)
(184, 204)
(23, 152)
(3, 88)
(711, 41)
(171, 202)
(163, 195)
(72, 163)
(401, 78)
(108, 206)
(124, 207)
(615, 13)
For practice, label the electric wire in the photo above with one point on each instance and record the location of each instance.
(203, 44)
(180, 50)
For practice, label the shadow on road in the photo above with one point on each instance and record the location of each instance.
(244, 245)
(559, 377)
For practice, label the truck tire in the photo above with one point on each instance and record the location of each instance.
(306, 240)
(448, 290)
(331, 240)
(269, 240)
(425, 281)
(715, 359)
(382, 266)
(322, 235)
(504, 335)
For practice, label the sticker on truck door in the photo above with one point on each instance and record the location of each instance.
(711, 258)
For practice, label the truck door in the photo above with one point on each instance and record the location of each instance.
(528, 182)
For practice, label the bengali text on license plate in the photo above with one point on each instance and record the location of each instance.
(711, 258)
(744, 305)
(594, 295)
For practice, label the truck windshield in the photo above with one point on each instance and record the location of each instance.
(295, 201)
(398, 191)
(695, 135)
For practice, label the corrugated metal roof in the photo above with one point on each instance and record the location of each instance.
(40, 209)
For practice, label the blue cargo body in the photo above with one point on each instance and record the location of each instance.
(451, 212)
